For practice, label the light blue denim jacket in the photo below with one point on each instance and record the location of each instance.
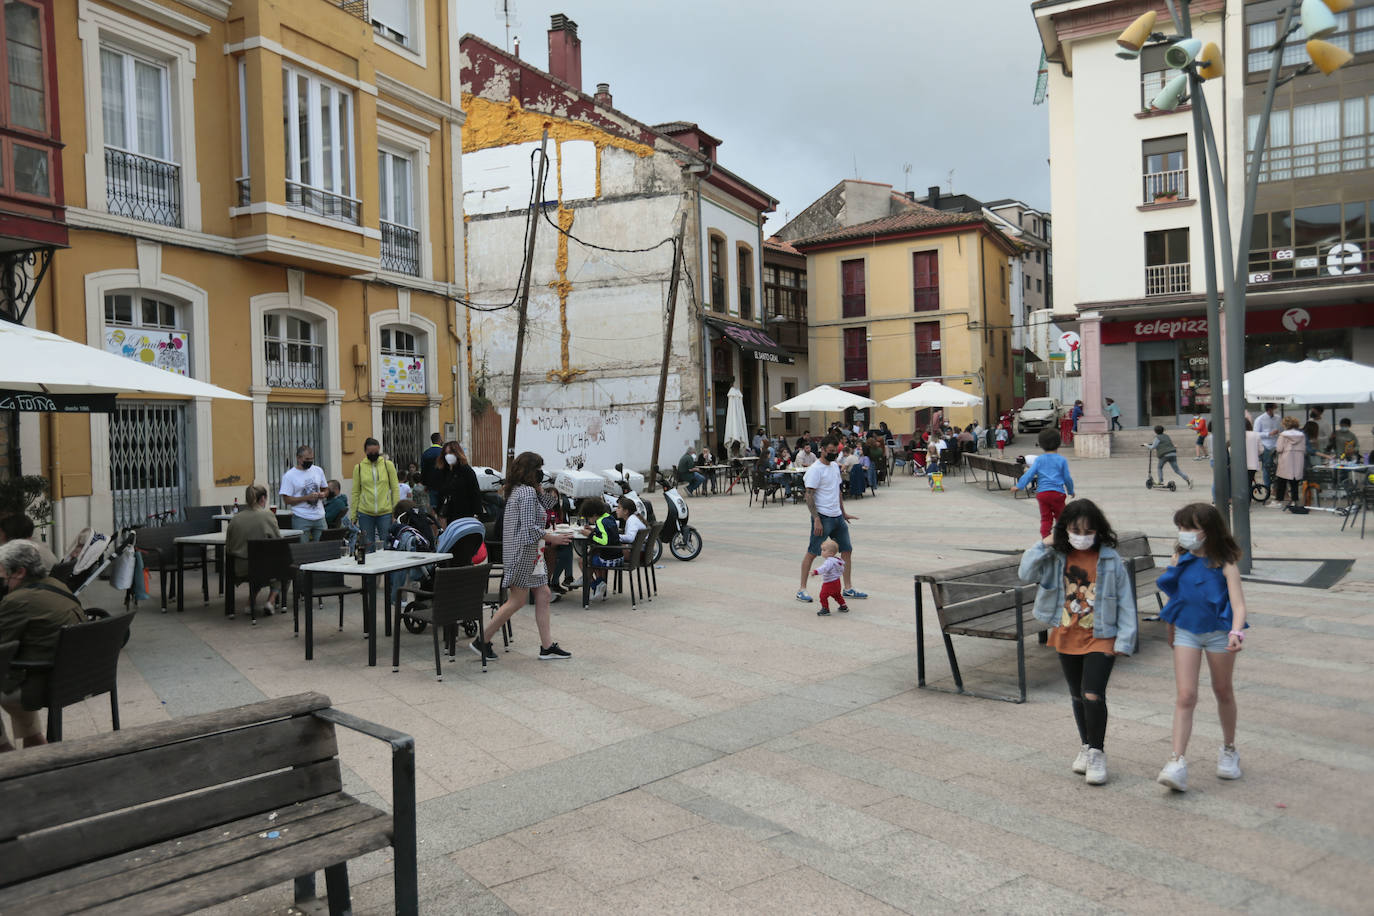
(1114, 613)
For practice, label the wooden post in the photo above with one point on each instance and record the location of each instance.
(667, 349)
(535, 213)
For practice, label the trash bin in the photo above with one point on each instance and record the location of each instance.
(1066, 431)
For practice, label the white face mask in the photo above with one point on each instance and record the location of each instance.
(451, 458)
(1082, 541)
(1189, 540)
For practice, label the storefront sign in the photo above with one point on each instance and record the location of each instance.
(402, 374)
(33, 402)
(1272, 321)
(167, 350)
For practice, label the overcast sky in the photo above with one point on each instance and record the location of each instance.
(801, 92)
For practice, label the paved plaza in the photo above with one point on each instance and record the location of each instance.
(724, 750)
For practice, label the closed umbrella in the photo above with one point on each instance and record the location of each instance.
(932, 394)
(735, 430)
(1327, 381)
(35, 364)
(823, 399)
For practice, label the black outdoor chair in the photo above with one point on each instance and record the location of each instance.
(322, 585)
(631, 566)
(457, 599)
(7, 652)
(158, 548)
(269, 560)
(202, 516)
(651, 571)
(762, 486)
(334, 534)
(84, 665)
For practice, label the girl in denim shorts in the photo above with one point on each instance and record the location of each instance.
(1206, 615)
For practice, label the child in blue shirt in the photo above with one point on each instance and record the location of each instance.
(1053, 484)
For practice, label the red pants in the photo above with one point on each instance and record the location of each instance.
(1001, 445)
(831, 590)
(1051, 507)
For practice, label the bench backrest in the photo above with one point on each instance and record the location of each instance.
(75, 802)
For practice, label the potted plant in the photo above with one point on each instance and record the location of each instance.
(1166, 196)
(27, 494)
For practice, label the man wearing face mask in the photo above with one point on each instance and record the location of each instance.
(376, 490)
(304, 489)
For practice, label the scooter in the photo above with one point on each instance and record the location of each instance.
(1149, 475)
(616, 489)
(489, 481)
(682, 539)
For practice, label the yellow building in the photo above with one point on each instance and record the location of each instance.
(914, 296)
(261, 195)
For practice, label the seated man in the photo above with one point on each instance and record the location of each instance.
(687, 472)
(35, 609)
(336, 506)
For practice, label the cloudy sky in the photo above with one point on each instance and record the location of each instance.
(803, 93)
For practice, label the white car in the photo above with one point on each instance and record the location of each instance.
(1038, 413)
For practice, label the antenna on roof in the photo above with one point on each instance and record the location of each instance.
(906, 180)
(856, 165)
(950, 181)
(505, 9)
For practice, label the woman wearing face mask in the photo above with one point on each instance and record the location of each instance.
(1205, 613)
(376, 491)
(459, 495)
(1086, 596)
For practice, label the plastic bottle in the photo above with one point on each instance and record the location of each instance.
(236, 506)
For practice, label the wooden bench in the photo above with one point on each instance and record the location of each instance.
(182, 815)
(989, 600)
(994, 469)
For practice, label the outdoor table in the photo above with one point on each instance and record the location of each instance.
(714, 469)
(586, 560)
(1354, 477)
(378, 564)
(203, 542)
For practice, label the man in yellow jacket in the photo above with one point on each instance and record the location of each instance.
(375, 494)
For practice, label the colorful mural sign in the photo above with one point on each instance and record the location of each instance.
(169, 350)
(402, 374)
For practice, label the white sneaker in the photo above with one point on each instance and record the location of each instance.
(599, 592)
(1097, 767)
(1228, 763)
(1174, 775)
(1080, 763)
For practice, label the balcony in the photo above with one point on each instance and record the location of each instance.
(746, 303)
(295, 365)
(400, 249)
(245, 191)
(353, 8)
(321, 203)
(1168, 279)
(142, 188)
(1165, 187)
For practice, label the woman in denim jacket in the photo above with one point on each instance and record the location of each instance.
(1086, 597)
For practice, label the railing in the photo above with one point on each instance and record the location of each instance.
(354, 8)
(303, 367)
(1166, 279)
(400, 249)
(321, 203)
(142, 188)
(853, 305)
(245, 190)
(746, 302)
(1163, 185)
(718, 294)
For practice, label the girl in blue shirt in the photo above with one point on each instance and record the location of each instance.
(1206, 614)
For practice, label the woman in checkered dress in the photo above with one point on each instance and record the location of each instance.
(522, 532)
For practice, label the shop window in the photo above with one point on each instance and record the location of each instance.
(1319, 242)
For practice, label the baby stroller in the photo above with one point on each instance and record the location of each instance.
(464, 538)
(91, 554)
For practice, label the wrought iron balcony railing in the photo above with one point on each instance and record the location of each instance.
(321, 203)
(400, 249)
(142, 188)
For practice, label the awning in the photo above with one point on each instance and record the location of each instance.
(753, 341)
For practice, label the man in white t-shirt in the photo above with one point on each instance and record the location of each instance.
(305, 489)
(825, 500)
(805, 457)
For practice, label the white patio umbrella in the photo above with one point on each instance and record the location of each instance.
(40, 363)
(1327, 381)
(932, 394)
(735, 430)
(823, 399)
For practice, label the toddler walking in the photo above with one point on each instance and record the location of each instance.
(830, 571)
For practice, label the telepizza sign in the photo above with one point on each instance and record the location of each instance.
(1275, 321)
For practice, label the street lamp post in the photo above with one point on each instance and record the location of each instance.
(1230, 480)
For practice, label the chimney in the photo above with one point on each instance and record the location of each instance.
(603, 94)
(517, 47)
(565, 51)
(911, 195)
(933, 196)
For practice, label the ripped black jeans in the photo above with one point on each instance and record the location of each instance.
(1087, 676)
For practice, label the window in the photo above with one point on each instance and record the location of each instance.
(855, 354)
(785, 292)
(391, 20)
(1154, 73)
(853, 298)
(1039, 286)
(1002, 281)
(746, 282)
(318, 119)
(132, 311)
(1165, 168)
(293, 356)
(401, 363)
(1320, 138)
(717, 273)
(1027, 282)
(1355, 34)
(1167, 270)
(1037, 257)
(141, 179)
(26, 103)
(147, 329)
(395, 196)
(928, 363)
(925, 281)
(1324, 241)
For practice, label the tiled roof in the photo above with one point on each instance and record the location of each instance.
(778, 244)
(672, 127)
(914, 219)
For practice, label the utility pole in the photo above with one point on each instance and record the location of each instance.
(536, 203)
(667, 348)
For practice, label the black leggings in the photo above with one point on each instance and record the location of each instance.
(1284, 487)
(1089, 674)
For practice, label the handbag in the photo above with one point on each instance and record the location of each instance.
(122, 569)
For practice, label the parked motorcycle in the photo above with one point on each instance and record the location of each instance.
(683, 540)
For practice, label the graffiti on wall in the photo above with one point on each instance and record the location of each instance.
(601, 438)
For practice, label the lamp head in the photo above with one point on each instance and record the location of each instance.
(1138, 32)
(1183, 53)
(1317, 19)
(1172, 95)
(1127, 54)
(1327, 57)
(1339, 6)
(1209, 62)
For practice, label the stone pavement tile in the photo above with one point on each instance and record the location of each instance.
(641, 816)
(1148, 898)
(599, 857)
(500, 860)
(737, 729)
(531, 755)
(673, 791)
(484, 726)
(950, 871)
(1029, 896)
(551, 892)
(855, 869)
(764, 761)
(834, 825)
(653, 718)
(1337, 882)
(748, 823)
(836, 787)
(720, 856)
(610, 699)
(675, 891)
(805, 890)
